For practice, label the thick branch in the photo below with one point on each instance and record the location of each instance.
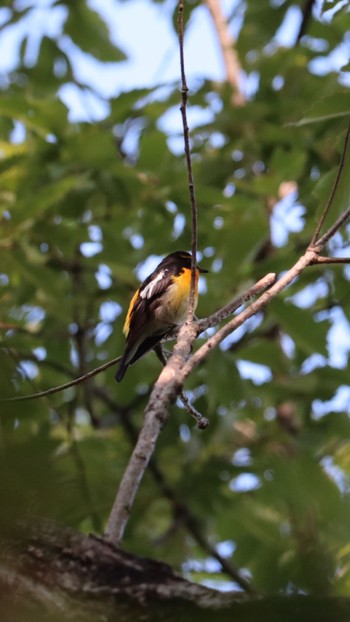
(50, 574)
(58, 574)
(156, 414)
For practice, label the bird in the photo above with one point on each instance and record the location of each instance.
(158, 306)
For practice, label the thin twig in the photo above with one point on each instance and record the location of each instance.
(191, 188)
(66, 385)
(330, 260)
(320, 243)
(202, 422)
(333, 191)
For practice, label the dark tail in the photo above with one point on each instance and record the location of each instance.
(147, 344)
(123, 366)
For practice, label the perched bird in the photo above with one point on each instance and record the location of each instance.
(157, 306)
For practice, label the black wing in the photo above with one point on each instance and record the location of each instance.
(143, 335)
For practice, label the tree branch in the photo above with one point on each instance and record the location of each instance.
(331, 260)
(217, 317)
(156, 415)
(166, 388)
(229, 54)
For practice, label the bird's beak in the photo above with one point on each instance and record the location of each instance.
(202, 270)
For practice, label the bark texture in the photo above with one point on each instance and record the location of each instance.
(49, 574)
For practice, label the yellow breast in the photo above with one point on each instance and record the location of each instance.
(175, 299)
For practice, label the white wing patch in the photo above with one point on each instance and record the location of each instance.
(147, 291)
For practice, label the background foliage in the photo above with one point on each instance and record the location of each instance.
(268, 481)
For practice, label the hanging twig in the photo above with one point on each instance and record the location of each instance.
(202, 422)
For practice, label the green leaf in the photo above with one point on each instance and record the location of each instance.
(330, 107)
(42, 116)
(90, 33)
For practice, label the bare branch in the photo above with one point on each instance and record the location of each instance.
(141, 455)
(332, 195)
(202, 422)
(217, 317)
(229, 54)
(331, 260)
(66, 385)
(156, 415)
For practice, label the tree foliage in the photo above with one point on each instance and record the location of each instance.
(267, 482)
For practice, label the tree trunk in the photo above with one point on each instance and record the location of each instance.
(49, 573)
